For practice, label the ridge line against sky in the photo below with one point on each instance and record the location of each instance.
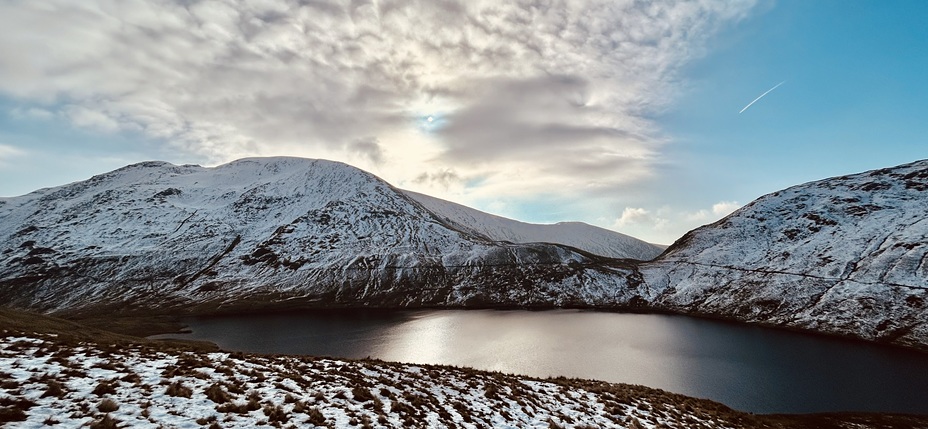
(616, 113)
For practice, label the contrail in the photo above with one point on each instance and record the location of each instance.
(761, 96)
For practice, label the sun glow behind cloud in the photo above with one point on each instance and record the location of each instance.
(526, 99)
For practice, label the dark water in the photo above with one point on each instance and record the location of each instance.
(748, 368)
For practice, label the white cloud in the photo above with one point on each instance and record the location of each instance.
(578, 77)
(716, 212)
(8, 153)
(90, 118)
(634, 216)
(550, 98)
(32, 113)
(724, 208)
(665, 225)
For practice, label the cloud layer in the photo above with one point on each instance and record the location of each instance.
(527, 97)
(664, 225)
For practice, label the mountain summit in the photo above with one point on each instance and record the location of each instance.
(268, 232)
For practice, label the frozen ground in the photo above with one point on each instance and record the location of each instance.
(145, 387)
(48, 381)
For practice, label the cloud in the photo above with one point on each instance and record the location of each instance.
(31, 113)
(666, 225)
(541, 97)
(724, 208)
(716, 212)
(367, 148)
(90, 118)
(633, 215)
(649, 223)
(512, 117)
(443, 178)
(8, 153)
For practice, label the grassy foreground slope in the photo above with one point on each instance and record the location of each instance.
(55, 372)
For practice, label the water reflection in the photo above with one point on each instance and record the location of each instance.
(748, 368)
(319, 333)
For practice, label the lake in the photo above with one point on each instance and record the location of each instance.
(748, 368)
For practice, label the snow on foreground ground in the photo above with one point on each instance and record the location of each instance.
(48, 382)
(141, 387)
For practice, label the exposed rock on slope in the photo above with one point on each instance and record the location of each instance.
(256, 232)
(575, 234)
(845, 255)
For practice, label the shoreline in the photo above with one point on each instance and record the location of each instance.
(494, 395)
(142, 324)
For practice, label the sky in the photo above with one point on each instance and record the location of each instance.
(622, 114)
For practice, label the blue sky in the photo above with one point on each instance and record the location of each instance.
(853, 100)
(621, 115)
(854, 97)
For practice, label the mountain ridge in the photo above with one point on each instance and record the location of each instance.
(842, 256)
(581, 235)
(267, 231)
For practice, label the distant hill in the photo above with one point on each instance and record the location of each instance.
(583, 236)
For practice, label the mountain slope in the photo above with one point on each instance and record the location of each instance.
(846, 255)
(586, 237)
(268, 232)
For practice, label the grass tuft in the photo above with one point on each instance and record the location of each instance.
(217, 394)
(106, 422)
(361, 394)
(107, 406)
(316, 417)
(106, 387)
(177, 389)
(55, 389)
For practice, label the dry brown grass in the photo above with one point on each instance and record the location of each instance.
(202, 421)
(55, 389)
(107, 406)
(276, 413)
(106, 387)
(316, 417)
(361, 394)
(179, 390)
(12, 414)
(106, 422)
(217, 394)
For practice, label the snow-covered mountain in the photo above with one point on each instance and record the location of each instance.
(268, 231)
(583, 236)
(846, 255)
